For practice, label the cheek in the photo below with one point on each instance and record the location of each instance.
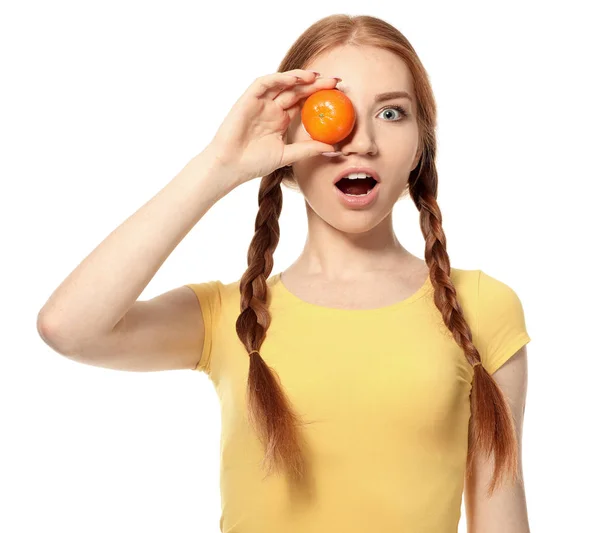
(295, 131)
(302, 168)
(309, 175)
(402, 149)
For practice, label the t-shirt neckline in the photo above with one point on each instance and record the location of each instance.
(279, 287)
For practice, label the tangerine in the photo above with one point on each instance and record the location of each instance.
(328, 116)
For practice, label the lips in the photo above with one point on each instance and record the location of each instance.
(350, 170)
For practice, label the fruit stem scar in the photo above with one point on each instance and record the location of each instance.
(321, 115)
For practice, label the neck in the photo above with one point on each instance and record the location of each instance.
(334, 254)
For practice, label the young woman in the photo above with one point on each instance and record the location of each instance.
(362, 389)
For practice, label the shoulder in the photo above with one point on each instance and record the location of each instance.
(208, 292)
(465, 282)
(485, 297)
(213, 298)
(219, 296)
(496, 301)
(481, 292)
(465, 279)
(494, 313)
(500, 327)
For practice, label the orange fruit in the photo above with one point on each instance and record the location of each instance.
(328, 116)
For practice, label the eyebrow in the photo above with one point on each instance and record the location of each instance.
(382, 97)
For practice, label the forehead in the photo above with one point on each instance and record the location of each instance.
(364, 66)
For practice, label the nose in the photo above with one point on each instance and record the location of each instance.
(359, 141)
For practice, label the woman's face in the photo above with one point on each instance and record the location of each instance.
(382, 139)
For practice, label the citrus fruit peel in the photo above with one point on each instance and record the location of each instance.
(328, 116)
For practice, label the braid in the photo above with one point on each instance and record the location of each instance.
(493, 429)
(269, 410)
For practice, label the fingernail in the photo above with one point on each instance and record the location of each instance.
(331, 154)
(315, 72)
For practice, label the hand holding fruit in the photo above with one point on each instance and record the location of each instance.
(250, 141)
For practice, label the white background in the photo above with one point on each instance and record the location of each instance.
(104, 102)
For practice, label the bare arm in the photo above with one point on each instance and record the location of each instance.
(94, 315)
(95, 297)
(506, 510)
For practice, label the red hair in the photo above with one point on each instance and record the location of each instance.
(270, 412)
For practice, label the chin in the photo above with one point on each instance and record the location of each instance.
(353, 222)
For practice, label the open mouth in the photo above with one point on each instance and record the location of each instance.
(356, 187)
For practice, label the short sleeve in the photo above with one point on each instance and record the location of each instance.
(500, 324)
(209, 298)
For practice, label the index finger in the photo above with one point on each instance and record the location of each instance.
(281, 79)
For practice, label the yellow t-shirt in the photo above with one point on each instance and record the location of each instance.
(387, 392)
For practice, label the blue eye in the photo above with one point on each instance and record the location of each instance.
(400, 109)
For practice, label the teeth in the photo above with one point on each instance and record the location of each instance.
(358, 175)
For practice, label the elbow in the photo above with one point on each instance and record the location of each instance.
(50, 332)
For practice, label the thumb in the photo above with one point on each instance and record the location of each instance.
(301, 149)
